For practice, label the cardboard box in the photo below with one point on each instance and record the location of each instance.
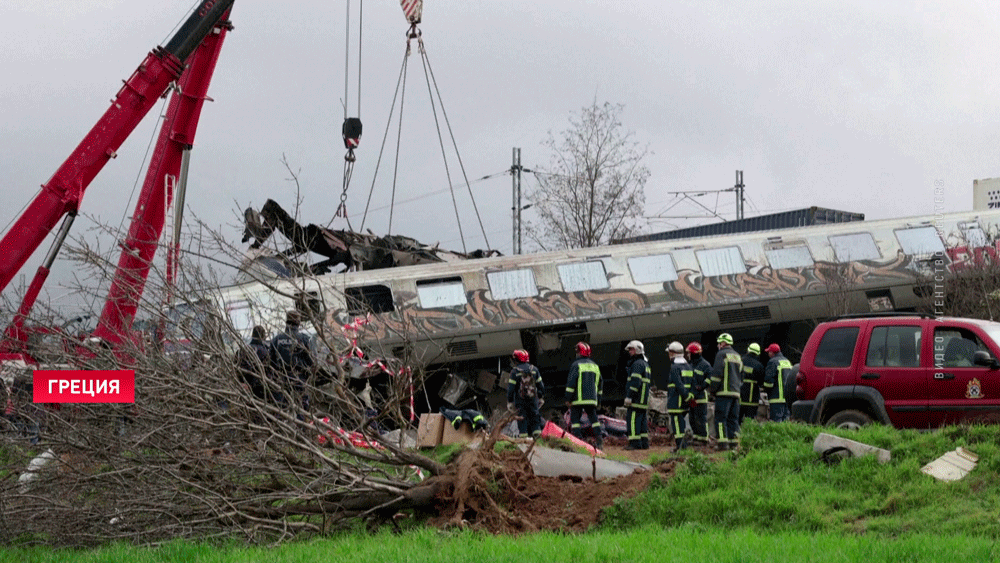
(463, 435)
(487, 381)
(430, 431)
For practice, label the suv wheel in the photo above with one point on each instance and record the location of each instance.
(849, 420)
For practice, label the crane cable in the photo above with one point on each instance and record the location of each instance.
(412, 9)
(429, 77)
(351, 129)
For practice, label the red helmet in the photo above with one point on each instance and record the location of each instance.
(583, 349)
(694, 348)
(773, 349)
(521, 356)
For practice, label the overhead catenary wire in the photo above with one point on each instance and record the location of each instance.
(439, 191)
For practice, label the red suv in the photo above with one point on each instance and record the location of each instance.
(910, 371)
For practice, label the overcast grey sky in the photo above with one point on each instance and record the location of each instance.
(851, 105)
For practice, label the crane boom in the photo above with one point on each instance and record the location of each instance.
(176, 137)
(60, 197)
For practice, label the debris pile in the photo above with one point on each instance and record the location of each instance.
(343, 250)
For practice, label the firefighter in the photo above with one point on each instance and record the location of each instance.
(678, 395)
(725, 385)
(753, 379)
(637, 397)
(699, 408)
(774, 383)
(583, 393)
(525, 390)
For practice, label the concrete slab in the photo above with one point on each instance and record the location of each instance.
(547, 462)
(952, 466)
(826, 441)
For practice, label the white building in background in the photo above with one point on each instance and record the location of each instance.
(986, 194)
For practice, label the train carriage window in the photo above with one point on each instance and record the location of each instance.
(652, 269)
(920, 241)
(859, 246)
(309, 305)
(512, 284)
(369, 298)
(443, 292)
(974, 235)
(789, 257)
(583, 276)
(240, 316)
(721, 261)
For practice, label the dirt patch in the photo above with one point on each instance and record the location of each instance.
(660, 445)
(499, 493)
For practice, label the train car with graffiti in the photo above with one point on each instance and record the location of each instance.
(462, 319)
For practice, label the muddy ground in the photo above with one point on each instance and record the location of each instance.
(499, 493)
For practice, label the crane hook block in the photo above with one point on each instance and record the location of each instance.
(413, 10)
(352, 132)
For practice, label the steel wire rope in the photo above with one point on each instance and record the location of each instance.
(385, 137)
(399, 136)
(444, 156)
(347, 55)
(451, 133)
(361, 29)
(349, 158)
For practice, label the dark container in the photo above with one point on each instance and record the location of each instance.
(785, 220)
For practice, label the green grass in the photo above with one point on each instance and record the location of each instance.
(772, 501)
(777, 484)
(647, 543)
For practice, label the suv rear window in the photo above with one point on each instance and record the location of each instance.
(894, 346)
(836, 349)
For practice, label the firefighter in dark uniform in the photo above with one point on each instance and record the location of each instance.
(583, 393)
(725, 385)
(775, 383)
(524, 394)
(678, 394)
(637, 397)
(699, 409)
(753, 380)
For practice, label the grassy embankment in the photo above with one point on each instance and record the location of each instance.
(774, 501)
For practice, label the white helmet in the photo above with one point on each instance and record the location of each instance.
(637, 346)
(675, 348)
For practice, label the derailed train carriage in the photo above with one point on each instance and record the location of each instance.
(460, 320)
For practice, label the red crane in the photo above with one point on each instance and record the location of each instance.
(59, 199)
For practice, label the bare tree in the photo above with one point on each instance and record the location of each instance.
(971, 290)
(199, 454)
(594, 190)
